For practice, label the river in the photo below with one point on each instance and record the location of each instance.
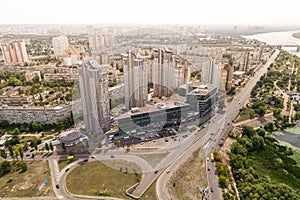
(278, 38)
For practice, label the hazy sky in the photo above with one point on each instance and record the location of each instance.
(151, 11)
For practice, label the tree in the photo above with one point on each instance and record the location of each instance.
(269, 127)
(3, 153)
(47, 146)
(51, 146)
(21, 152)
(32, 156)
(59, 124)
(5, 168)
(71, 153)
(63, 146)
(260, 111)
(16, 151)
(248, 131)
(25, 147)
(22, 166)
(11, 152)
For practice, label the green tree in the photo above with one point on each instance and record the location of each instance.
(51, 146)
(63, 146)
(47, 146)
(5, 168)
(11, 152)
(248, 131)
(71, 153)
(21, 152)
(261, 111)
(269, 127)
(59, 124)
(3, 153)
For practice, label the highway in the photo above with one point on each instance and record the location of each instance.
(219, 126)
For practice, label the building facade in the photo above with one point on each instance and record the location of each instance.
(17, 54)
(202, 99)
(210, 73)
(135, 79)
(60, 44)
(169, 71)
(28, 114)
(94, 96)
(152, 119)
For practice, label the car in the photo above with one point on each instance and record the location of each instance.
(57, 186)
(142, 143)
(112, 156)
(168, 171)
(208, 169)
(156, 172)
(93, 157)
(67, 169)
(207, 159)
(211, 189)
(85, 160)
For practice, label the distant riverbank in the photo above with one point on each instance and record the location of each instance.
(279, 38)
(296, 35)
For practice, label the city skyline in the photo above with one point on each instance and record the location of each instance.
(133, 12)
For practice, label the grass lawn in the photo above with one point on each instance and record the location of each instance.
(295, 130)
(245, 114)
(27, 138)
(63, 163)
(93, 178)
(296, 152)
(150, 194)
(190, 174)
(277, 133)
(192, 129)
(27, 184)
(153, 159)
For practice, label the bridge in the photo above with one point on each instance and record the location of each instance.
(278, 46)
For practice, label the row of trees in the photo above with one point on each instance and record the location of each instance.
(15, 129)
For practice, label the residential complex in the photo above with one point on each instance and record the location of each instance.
(60, 44)
(28, 114)
(94, 96)
(210, 73)
(15, 54)
(169, 71)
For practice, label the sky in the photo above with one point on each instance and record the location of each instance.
(250, 12)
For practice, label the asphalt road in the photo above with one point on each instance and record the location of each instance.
(232, 110)
(219, 126)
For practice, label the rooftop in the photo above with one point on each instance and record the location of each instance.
(163, 105)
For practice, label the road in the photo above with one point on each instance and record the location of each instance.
(221, 124)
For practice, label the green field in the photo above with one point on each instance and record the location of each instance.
(96, 178)
(26, 184)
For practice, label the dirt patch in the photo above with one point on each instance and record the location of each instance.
(184, 182)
